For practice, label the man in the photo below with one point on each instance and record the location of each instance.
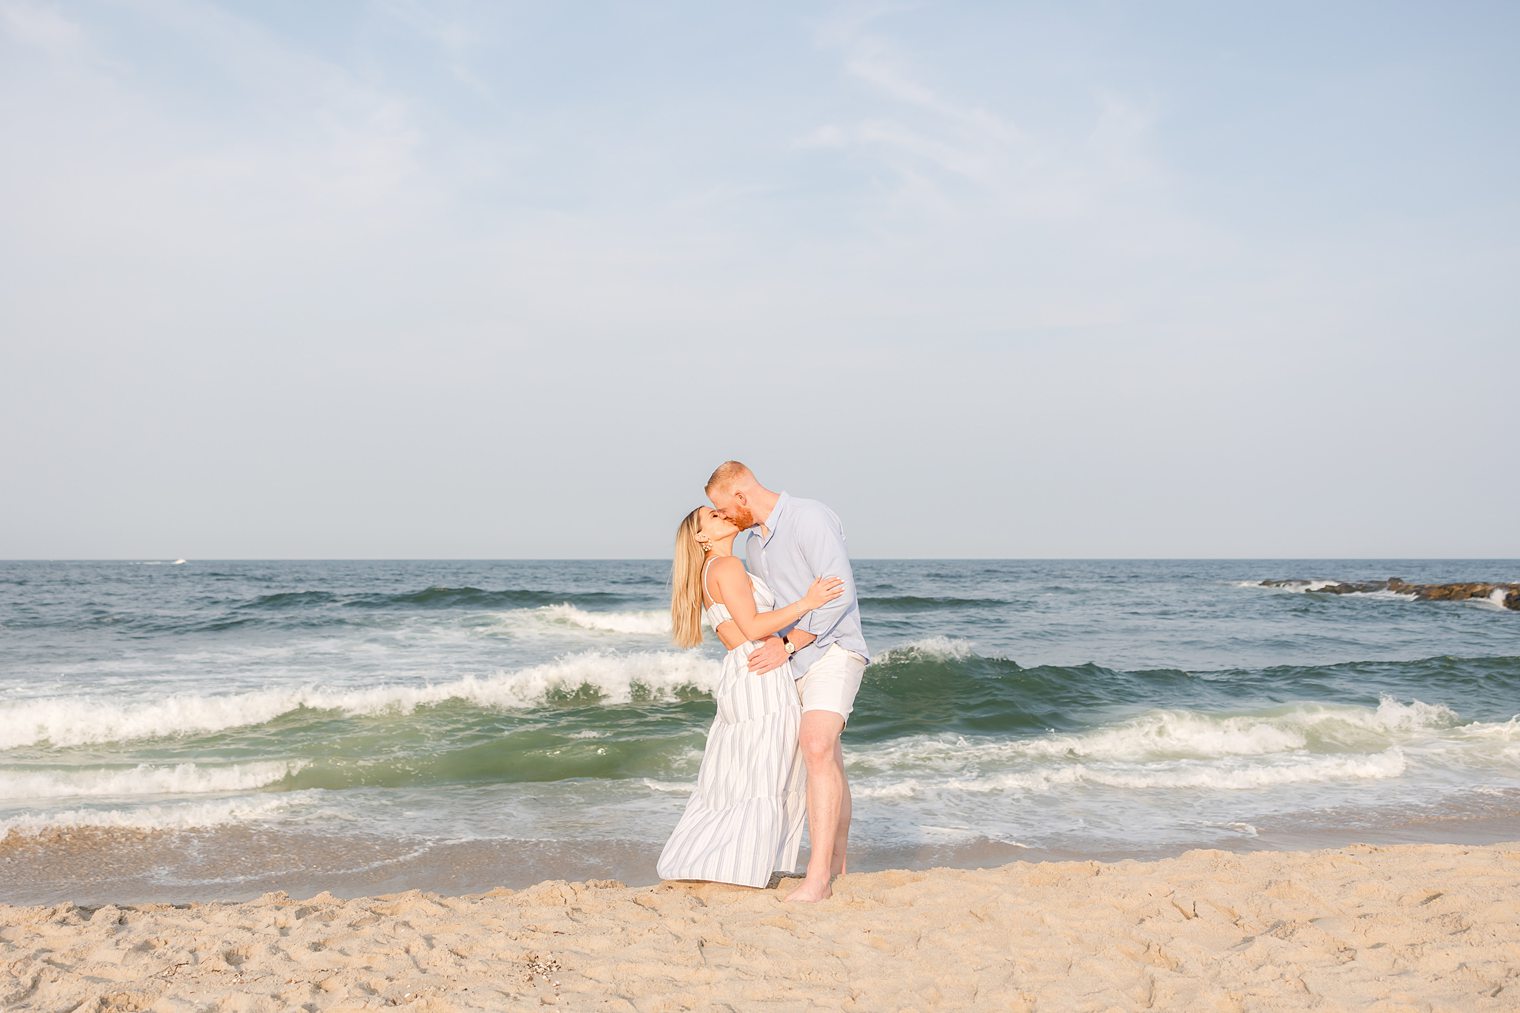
(800, 540)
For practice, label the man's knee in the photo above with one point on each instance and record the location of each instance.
(819, 742)
(817, 752)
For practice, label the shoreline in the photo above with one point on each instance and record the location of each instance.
(1415, 924)
(96, 866)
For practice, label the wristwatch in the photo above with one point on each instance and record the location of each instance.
(791, 648)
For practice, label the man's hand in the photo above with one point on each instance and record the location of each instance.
(769, 656)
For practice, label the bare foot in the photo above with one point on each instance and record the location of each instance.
(810, 892)
(841, 863)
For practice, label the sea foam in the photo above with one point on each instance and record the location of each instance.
(928, 649)
(84, 720)
(1161, 735)
(170, 816)
(1234, 776)
(143, 779)
(648, 623)
(1290, 586)
(1301, 743)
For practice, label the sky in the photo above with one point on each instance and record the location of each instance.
(496, 280)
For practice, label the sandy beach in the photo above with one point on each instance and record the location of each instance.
(1400, 927)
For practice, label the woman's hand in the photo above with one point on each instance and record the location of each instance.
(823, 591)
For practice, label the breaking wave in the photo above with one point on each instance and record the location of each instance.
(143, 779)
(605, 677)
(171, 816)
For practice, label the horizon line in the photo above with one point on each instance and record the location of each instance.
(658, 559)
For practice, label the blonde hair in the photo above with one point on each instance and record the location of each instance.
(686, 583)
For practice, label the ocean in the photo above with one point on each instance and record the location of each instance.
(203, 730)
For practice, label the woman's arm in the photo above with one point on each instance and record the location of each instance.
(738, 594)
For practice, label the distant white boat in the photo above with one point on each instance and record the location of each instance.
(177, 562)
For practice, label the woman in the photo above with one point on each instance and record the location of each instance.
(744, 821)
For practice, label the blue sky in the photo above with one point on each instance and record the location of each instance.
(406, 279)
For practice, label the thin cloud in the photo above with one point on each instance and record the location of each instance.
(41, 27)
(937, 145)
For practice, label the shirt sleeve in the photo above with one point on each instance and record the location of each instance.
(821, 540)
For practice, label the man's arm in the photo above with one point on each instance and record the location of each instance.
(771, 654)
(822, 543)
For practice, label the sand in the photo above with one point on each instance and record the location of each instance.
(1400, 927)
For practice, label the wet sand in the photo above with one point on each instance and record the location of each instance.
(92, 866)
(1400, 927)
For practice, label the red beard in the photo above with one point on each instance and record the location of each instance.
(741, 518)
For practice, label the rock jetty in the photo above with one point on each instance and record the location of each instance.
(1507, 595)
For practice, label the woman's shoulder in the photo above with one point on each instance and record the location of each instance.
(724, 569)
(727, 564)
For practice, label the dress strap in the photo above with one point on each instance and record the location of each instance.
(705, 589)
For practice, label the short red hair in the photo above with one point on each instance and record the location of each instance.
(727, 474)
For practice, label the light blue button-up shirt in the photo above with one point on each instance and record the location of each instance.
(805, 541)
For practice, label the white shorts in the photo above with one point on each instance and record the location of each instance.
(831, 682)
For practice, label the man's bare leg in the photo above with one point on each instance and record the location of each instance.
(842, 833)
(818, 739)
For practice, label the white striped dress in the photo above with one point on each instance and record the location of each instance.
(745, 819)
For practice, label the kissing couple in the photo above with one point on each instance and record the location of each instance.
(787, 687)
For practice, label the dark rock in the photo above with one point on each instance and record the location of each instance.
(1425, 592)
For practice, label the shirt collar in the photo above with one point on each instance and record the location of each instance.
(774, 517)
